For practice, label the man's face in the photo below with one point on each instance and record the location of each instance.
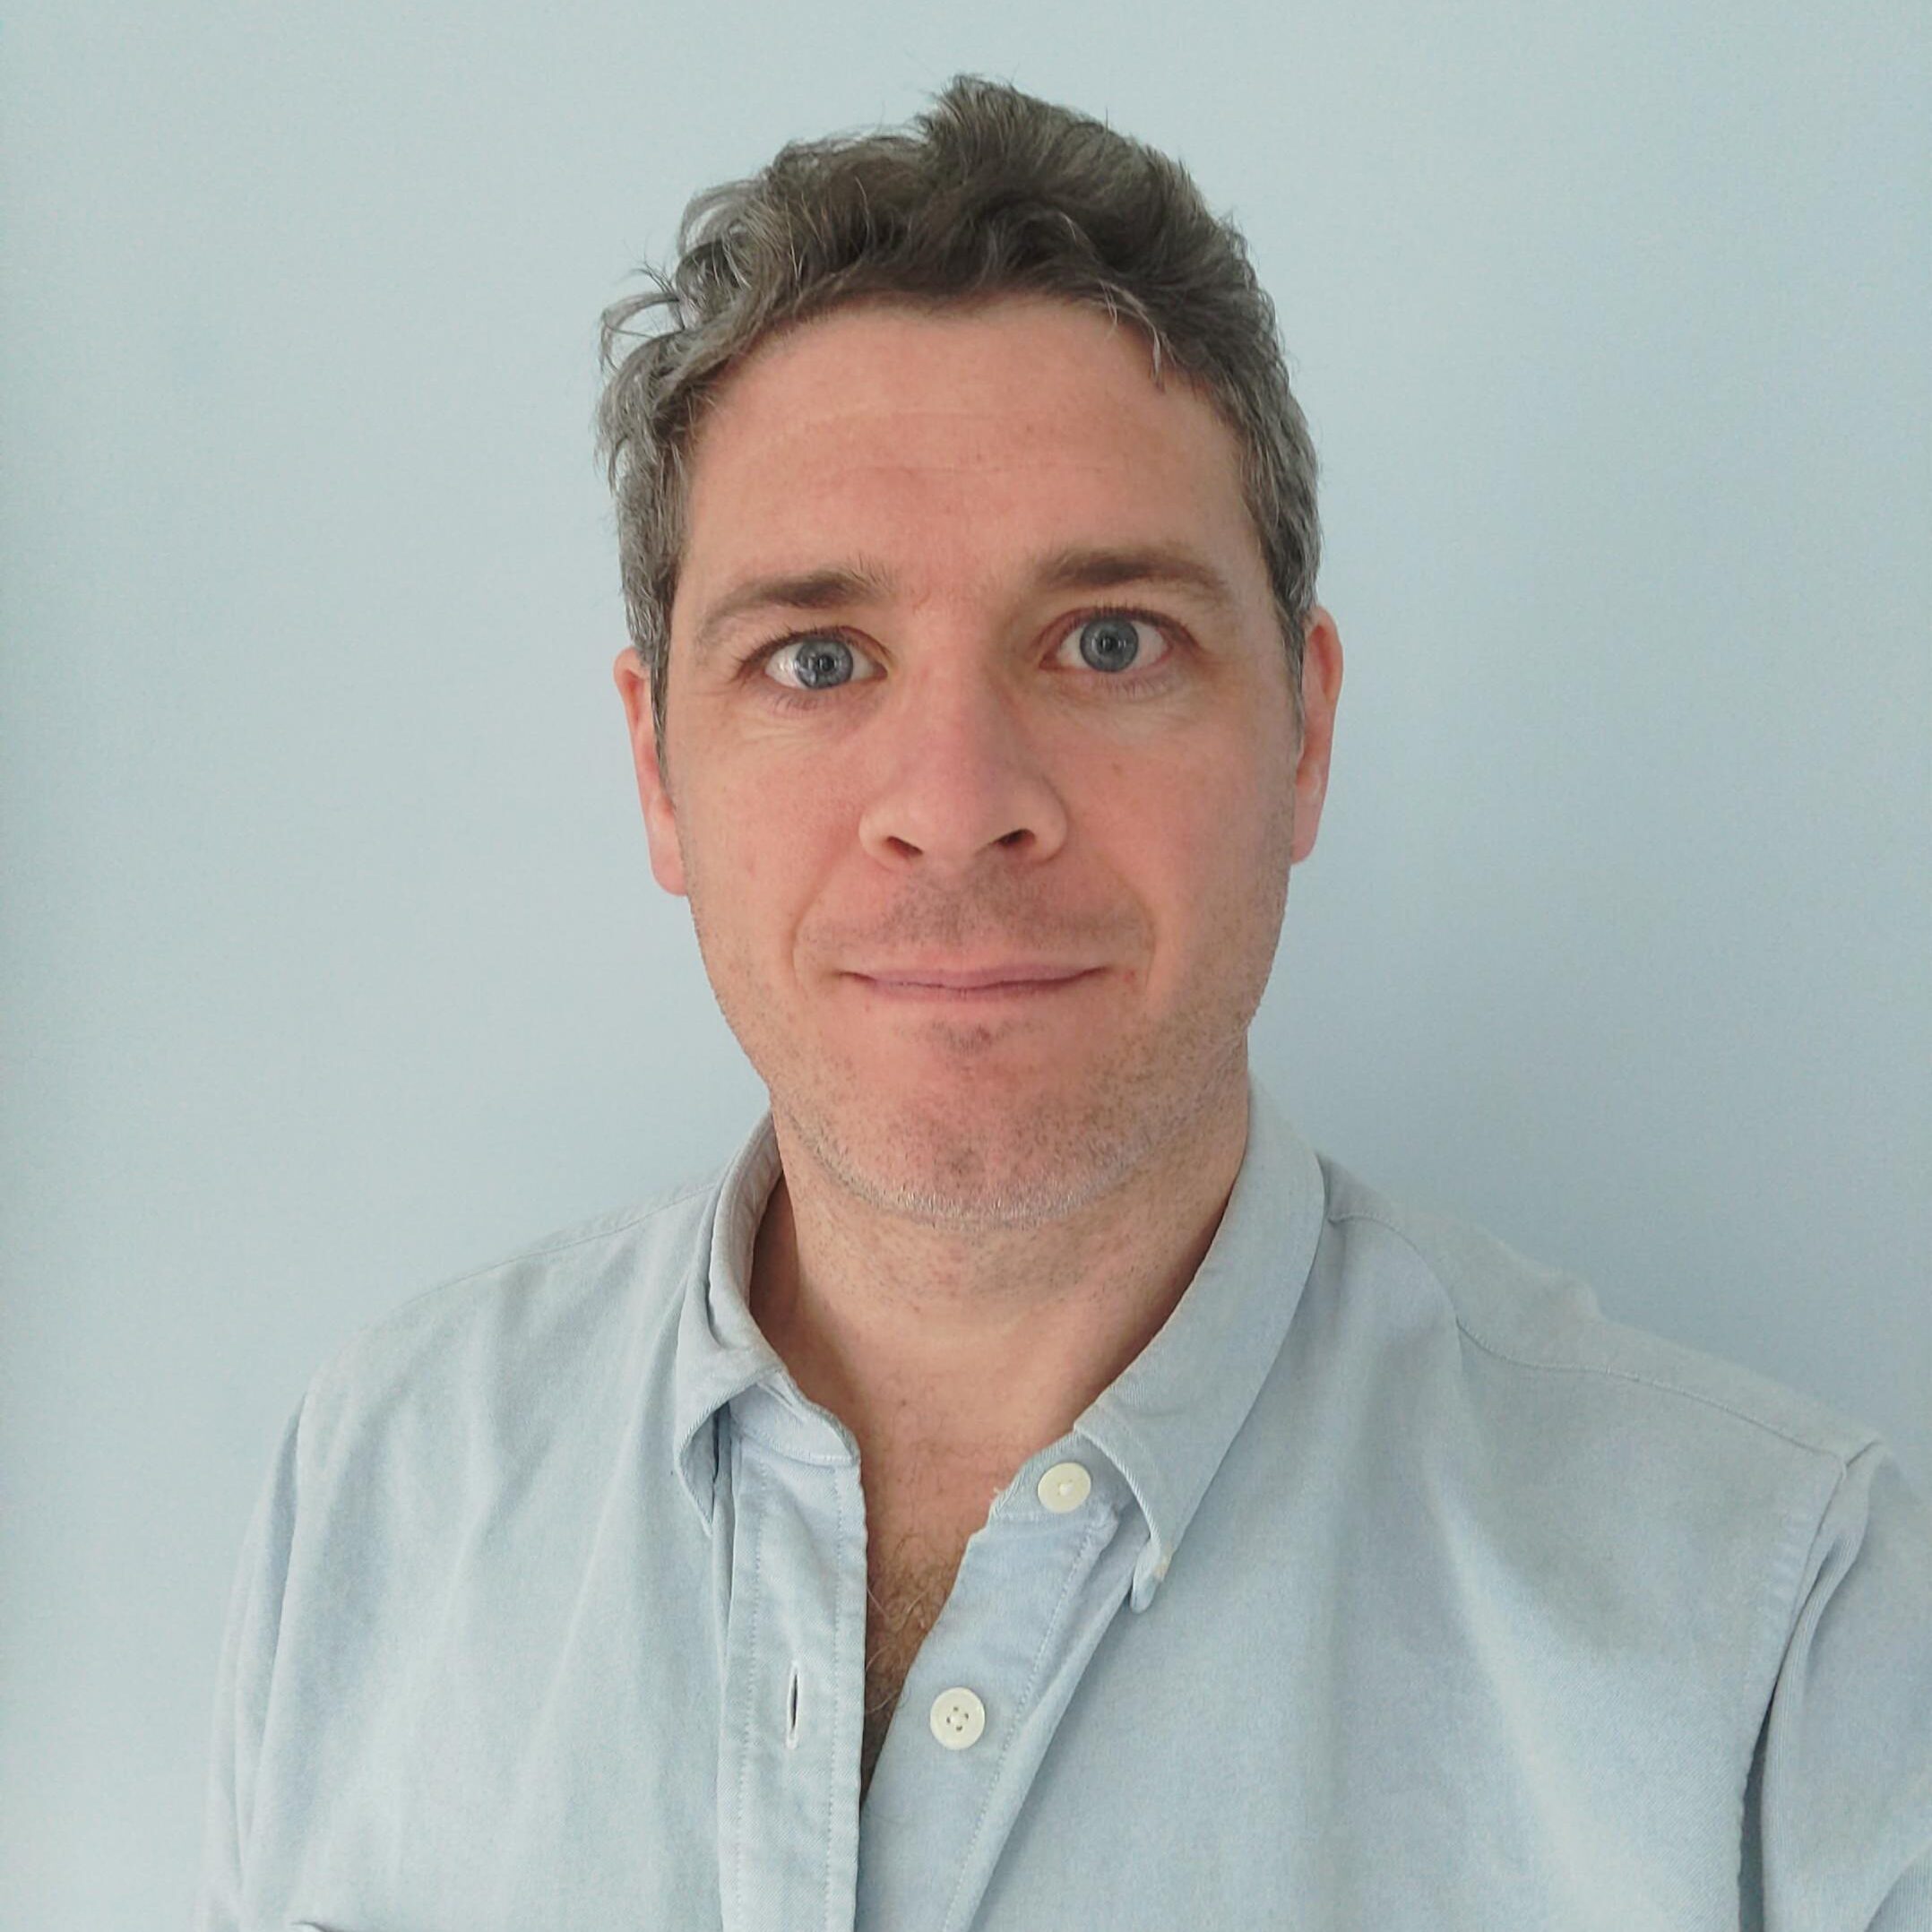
(978, 760)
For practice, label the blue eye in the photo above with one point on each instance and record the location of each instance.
(1111, 642)
(819, 663)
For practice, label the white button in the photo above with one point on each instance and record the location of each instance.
(958, 1718)
(1065, 1486)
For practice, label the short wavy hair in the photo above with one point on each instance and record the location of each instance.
(991, 193)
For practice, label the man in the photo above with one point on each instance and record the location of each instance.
(1027, 1488)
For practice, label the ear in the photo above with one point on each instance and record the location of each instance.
(661, 817)
(1321, 690)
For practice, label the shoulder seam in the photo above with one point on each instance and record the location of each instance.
(597, 1233)
(557, 1247)
(1598, 1368)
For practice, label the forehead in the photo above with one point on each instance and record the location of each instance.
(959, 434)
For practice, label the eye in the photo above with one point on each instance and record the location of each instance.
(819, 661)
(1114, 641)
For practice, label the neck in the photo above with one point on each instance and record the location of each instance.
(966, 1350)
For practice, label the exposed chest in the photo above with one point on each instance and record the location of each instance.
(904, 1601)
(912, 1555)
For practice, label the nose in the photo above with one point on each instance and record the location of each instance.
(962, 776)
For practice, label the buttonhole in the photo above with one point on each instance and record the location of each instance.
(791, 1711)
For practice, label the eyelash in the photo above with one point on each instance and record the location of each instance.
(785, 697)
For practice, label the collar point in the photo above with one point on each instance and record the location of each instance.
(1148, 1574)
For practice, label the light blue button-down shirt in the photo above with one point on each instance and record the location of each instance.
(1390, 1587)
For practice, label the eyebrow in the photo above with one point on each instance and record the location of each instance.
(1071, 567)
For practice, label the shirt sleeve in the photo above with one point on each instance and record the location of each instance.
(1839, 1821)
(242, 1684)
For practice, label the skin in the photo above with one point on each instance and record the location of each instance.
(987, 1210)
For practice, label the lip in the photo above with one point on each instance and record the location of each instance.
(993, 982)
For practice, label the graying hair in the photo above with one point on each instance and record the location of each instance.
(994, 193)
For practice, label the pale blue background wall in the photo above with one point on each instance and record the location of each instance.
(332, 966)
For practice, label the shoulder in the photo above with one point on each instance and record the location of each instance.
(508, 1347)
(1536, 1335)
(1650, 1486)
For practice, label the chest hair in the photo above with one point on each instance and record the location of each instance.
(906, 1588)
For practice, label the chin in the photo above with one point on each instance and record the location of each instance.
(971, 1152)
(968, 1193)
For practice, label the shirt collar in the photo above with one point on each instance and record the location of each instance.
(1165, 1422)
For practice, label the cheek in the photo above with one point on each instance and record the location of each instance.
(1169, 845)
(762, 842)
(1199, 811)
(1220, 843)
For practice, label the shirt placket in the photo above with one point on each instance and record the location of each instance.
(793, 1704)
(1035, 1592)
